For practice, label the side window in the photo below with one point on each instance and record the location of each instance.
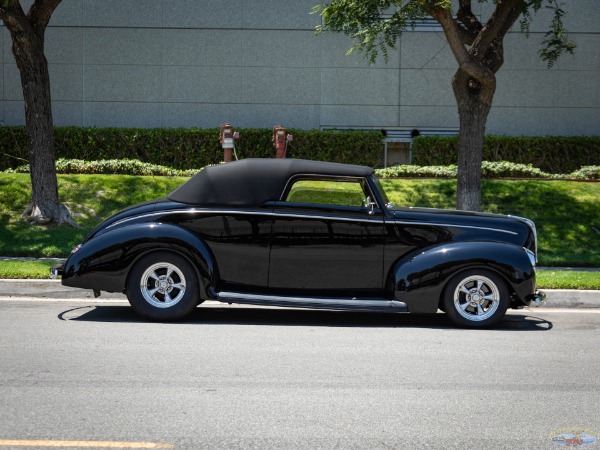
(327, 192)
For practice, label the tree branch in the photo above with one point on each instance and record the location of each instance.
(503, 17)
(465, 60)
(39, 14)
(467, 18)
(465, 35)
(7, 6)
(14, 18)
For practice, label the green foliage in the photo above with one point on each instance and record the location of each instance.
(185, 149)
(556, 40)
(494, 169)
(586, 173)
(505, 169)
(375, 25)
(406, 171)
(111, 166)
(549, 154)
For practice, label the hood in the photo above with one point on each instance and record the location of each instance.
(516, 230)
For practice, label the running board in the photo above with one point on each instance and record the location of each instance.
(362, 304)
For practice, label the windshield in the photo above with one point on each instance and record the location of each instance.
(381, 192)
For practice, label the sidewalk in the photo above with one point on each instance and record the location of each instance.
(52, 289)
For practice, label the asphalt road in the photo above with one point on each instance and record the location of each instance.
(244, 377)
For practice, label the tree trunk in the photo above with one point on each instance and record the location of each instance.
(474, 100)
(45, 206)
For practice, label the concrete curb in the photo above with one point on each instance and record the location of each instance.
(557, 298)
(571, 298)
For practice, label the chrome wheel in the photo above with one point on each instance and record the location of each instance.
(163, 285)
(476, 298)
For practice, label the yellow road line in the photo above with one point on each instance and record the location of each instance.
(81, 444)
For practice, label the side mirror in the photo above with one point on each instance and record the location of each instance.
(369, 203)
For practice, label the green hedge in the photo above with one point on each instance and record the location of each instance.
(549, 154)
(191, 148)
(195, 148)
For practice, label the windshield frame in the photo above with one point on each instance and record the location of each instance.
(380, 191)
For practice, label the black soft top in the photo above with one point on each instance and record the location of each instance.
(253, 182)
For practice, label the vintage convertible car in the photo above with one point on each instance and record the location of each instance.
(306, 234)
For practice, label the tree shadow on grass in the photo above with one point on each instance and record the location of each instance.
(425, 193)
(564, 217)
(105, 195)
(565, 212)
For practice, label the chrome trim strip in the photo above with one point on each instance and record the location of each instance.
(241, 212)
(303, 216)
(318, 216)
(500, 230)
(239, 297)
(190, 211)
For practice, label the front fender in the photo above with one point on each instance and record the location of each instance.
(103, 262)
(418, 279)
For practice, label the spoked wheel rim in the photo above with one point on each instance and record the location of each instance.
(476, 298)
(163, 285)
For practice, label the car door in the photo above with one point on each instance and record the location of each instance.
(326, 238)
(239, 241)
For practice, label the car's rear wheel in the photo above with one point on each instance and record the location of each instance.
(163, 286)
(476, 298)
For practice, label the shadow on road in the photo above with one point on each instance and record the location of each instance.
(295, 317)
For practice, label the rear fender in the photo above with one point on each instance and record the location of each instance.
(103, 263)
(418, 279)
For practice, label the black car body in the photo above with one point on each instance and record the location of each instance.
(309, 234)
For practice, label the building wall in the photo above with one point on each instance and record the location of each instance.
(187, 63)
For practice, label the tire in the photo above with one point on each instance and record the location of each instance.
(163, 286)
(476, 298)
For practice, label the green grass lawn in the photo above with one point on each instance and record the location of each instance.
(25, 269)
(565, 212)
(567, 279)
(91, 198)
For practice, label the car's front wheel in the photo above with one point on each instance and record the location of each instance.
(476, 298)
(163, 286)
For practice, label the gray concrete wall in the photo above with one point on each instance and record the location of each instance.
(187, 63)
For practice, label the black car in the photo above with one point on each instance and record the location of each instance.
(306, 234)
